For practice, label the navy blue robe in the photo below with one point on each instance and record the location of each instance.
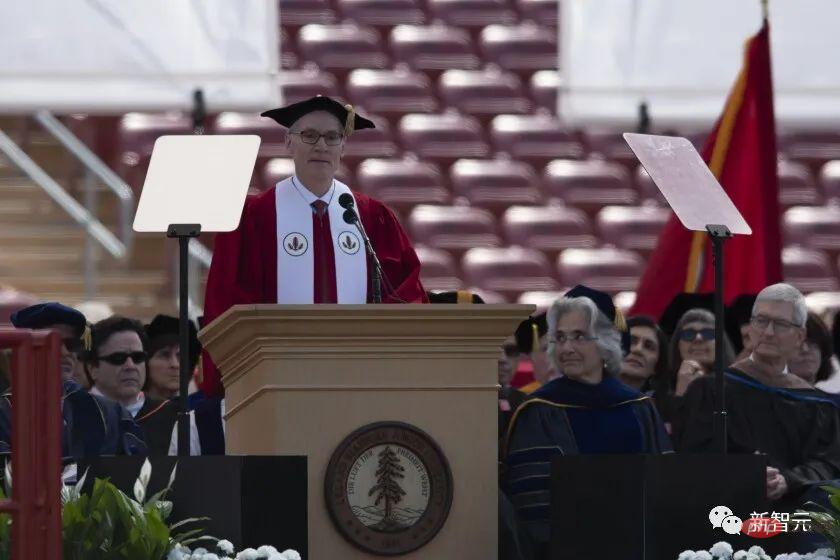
(566, 417)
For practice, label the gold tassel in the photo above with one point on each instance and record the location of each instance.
(463, 296)
(620, 323)
(87, 338)
(535, 338)
(350, 125)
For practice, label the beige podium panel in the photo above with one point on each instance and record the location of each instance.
(299, 379)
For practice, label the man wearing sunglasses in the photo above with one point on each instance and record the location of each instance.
(293, 244)
(770, 410)
(92, 425)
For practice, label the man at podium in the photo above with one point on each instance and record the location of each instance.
(293, 244)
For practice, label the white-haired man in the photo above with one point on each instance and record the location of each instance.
(770, 410)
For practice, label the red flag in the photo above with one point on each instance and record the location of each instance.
(741, 153)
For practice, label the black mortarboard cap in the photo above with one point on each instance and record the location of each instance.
(525, 340)
(459, 296)
(346, 115)
(604, 302)
(680, 305)
(44, 315)
(164, 330)
(737, 315)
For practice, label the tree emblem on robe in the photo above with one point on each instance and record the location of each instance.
(349, 243)
(387, 489)
(295, 244)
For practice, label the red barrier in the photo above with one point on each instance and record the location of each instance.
(36, 440)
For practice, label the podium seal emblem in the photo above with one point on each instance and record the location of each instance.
(388, 488)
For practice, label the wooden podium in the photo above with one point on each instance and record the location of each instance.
(320, 381)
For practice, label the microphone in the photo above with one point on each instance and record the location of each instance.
(346, 201)
(351, 217)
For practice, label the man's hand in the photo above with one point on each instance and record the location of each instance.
(776, 484)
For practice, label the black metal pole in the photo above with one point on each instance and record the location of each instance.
(718, 235)
(183, 232)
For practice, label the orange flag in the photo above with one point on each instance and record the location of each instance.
(741, 153)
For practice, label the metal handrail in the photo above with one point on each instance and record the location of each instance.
(76, 211)
(95, 165)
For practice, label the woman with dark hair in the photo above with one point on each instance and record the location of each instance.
(691, 353)
(813, 362)
(645, 367)
(117, 364)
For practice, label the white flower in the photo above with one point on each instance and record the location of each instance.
(757, 550)
(210, 556)
(829, 552)
(740, 555)
(247, 554)
(721, 550)
(751, 556)
(266, 551)
(702, 555)
(175, 554)
(290, 554)
(225, 546)
(687, 555)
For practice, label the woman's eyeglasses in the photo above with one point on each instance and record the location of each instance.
(691, 334)
(309, 136)
(119, 358)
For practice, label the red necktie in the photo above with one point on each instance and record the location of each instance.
(324, 277)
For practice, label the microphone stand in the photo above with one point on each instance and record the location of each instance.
(351, 217)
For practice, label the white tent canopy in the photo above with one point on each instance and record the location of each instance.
(681, 58)
(137, 55)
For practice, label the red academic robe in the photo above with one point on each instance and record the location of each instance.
(244, 267)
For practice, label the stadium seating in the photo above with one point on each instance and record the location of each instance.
(589, 185)
(433, 48)
(391, 93)
(548, 228)
(455, 228)
(485, 93)
(473, 14)
(382, 14)
(343, 47)
(297, 85)
(443, 138)
(508, 271)
(607, 268)
(439, 269)
(403, 183)
(495, 184)
(631, 227)
(536, 139)
(813, 227)
(830, 180)
(523, 48)
(797, 186)
(809, 270)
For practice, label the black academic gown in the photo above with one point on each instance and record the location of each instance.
(565, 417)
(798, 429)
(92, 426)
(157, 420)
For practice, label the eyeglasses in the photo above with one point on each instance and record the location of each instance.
(574, 338)
(309, 136)
(119, 358)
(691, 334)
(779, 325)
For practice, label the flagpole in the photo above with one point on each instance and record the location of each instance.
(764, 11)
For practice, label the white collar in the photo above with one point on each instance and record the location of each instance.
(132, 409)
(308, 195)
(785, 371)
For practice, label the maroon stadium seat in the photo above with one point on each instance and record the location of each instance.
(433, 47)
(631, 227)
(830, 179)
(797, 186)
(277, 169)
(472, 13)
(483, 92)
(273, 135)
(825, 304)
(444, 137)
(375, 142)
(495, 184)
(509, 271)
(438, 271)
(814, 227)
(341, 48)
(391, 92)
(402, 183)
(294, 13)
(382, 13)
(536, 139)
(548, 228)
(543, 300)
(544, 85)
(288, 55)
(137, 133)
(607, 269)
(456, 228)
(589, 185)
(809, 270)
(544, 12)
(611, 146)
(811, 148)
(297, 85)
(522, 48)
(12, 300)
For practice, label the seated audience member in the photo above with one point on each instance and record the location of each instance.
(770, 410)
(645, 365)
(587, 410)
(813, 360)
(117, 364)
(534, 370)
(92, 425)
(509, 397)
